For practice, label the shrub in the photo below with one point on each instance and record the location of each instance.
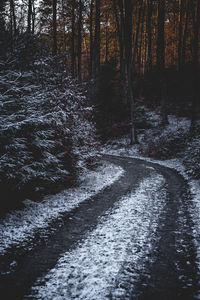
(163, 144)
(46, 135)
(192, 158)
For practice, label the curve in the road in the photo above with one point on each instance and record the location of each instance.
(172, 276)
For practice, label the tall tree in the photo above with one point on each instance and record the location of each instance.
(161, 57)
(54, 50)
(96, 51)
(13, 17)
(196, 24)
(29, 16)
(119, 20)
(91, 67)
(180, 44)
(128, 33)
(149, 34)
(80, 25)
(73, 58)
(135, 51)
(185, 33)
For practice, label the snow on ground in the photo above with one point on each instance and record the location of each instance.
(18, 228)
(124, 235)
(121, 147)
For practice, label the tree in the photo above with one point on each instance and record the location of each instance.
(128, 50)
(180, 44)
(29, 16)
(73, 58)
(161, 57)
(80, 38)
(149, 32)
(196, 24)
(96, 50)
(54, 50)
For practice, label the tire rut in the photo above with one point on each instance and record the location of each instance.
(74, 227)
(172, 273)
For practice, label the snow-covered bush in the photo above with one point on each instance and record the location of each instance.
(192, 158)
(166, 142)
(163, 144)
(45, 130)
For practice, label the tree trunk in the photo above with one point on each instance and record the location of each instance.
(185, 33)
(73, 40)
(128, 50)
(80, 39)
(91, 41)
(181, 7)
(54, 50)
(135, 52)
(139, 58)
(161, 58)
(13, 17)
(149, 32)
(120, 28)
(97, 40)
(196, 24)
(33, 17)
(29, 16)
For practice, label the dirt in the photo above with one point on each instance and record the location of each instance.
(173, 275)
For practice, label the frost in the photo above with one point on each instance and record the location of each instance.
(123, 236)
(19, 227)
(46, 132)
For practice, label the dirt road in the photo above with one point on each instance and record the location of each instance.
(170, 271)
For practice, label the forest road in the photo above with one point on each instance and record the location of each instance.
(171, 274)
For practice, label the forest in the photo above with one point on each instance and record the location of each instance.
(76, 74)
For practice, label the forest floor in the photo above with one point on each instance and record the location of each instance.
(133, 237)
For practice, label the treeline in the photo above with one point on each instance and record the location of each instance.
(142, 37)
(139, 35)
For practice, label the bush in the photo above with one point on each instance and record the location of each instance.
(163, 144)
(46, 135)
(192, 158)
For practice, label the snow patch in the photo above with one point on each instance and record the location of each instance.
(124, 235)
(18, 228)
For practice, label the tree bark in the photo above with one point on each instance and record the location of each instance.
(196, 24)
(149, 33)
(73, 40)
(181, 7)
(54, 50)
(80, 25)
(185, 33)
(135, 52)
(91, 40)
(161, 58)
(128, 50)
(29, 16)
(13, 17)
(120, 29)
(96, 51)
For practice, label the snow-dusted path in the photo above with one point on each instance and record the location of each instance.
(133, 240)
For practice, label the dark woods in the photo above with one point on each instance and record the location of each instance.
(116, 56)
(150, 42)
